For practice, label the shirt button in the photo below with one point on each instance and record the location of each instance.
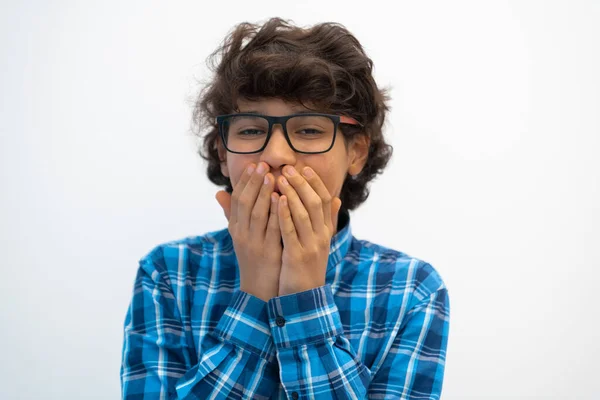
(295, 395)
(280, 321)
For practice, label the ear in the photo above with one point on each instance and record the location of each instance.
(222, 157)
(358, 152)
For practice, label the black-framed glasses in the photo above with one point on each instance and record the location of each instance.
(309, 133)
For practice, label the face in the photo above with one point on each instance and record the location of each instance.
(332, 167)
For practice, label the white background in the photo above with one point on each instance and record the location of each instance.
(494, 181)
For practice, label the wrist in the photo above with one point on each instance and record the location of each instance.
(264, 295)
(297, 287)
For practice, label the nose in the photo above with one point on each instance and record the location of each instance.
(278, 152)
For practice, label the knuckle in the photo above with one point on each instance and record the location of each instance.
(327, 199)
(316, 203)
(237, 242)
(258, 177)
(256, 215)
(304, 217)
(244, 201)
(324, 242)
(241, 184)
(254, 178)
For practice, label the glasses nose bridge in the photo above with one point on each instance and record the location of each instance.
(278, 121)
(278, 144)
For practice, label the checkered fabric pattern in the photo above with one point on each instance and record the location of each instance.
(377, 329)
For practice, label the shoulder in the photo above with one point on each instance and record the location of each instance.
(396, 271)
(185, 255)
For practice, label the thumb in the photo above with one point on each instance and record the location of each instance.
(224, 200)
(336, 205)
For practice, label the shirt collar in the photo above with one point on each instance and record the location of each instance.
(340, 242)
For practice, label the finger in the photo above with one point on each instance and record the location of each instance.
(310, 198)
(260, 212)
(237, 191)
(248, 196)
(273, 235)
(286, 225)
(224, 200)
(321, 190)
(299, 214)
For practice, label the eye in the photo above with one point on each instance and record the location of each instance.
(310, 131)
(251, 132)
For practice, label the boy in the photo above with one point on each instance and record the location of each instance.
(285, 302)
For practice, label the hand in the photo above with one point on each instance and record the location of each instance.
(307, 214)
(254, 227)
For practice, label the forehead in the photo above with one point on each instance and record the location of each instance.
(272, 106)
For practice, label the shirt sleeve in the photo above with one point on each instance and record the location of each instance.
(236, 359)
(315, 358)
(414, 366)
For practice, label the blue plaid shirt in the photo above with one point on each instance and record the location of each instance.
(377, 329)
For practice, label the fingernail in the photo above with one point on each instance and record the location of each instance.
(250, 169)
(261, 168)
(266, 180)
(284, 181)
(307, 172)
(291, 171)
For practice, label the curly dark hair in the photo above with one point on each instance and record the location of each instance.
(324, 66)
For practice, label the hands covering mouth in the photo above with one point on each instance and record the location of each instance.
(281, 227)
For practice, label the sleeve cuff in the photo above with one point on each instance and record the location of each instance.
(302, 318)
(245, 323)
